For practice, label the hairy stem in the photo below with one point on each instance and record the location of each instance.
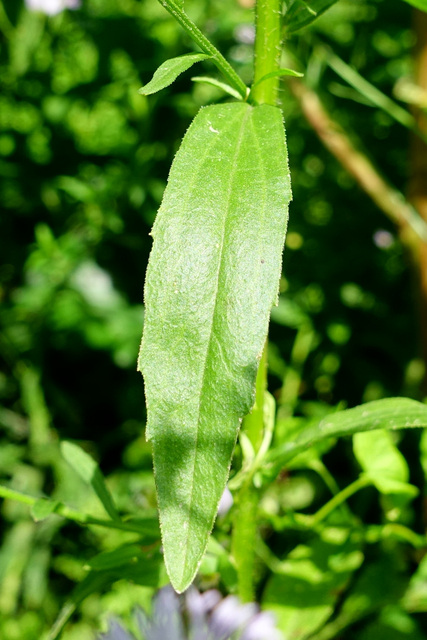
(206, 46)
(267, 51)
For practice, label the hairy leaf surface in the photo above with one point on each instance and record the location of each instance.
(169, 71)
(211, 281)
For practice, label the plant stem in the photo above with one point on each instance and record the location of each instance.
(362, 482)
(338, 142)
(217, 58)
(71, 514)
(267, 51)
(247, 498)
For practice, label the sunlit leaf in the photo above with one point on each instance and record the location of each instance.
(88, 470)
(212, 279)
(169, 71)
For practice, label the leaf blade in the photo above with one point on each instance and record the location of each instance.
(389, 413)
(212, 279)
(169, 71)
(303, 13)
(219, 85)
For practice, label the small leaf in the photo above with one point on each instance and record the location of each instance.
(42, 509)
(169, 71)
(302, 13)
(212, 278)
(419, 4)
(383, 463)
(88, 470)
(389, 413)
(219, 85)
(278, 73)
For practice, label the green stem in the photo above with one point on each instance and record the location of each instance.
(329, 480)
(247, 498)
(342, 496)
(217, 58)
(253, 424)
(244, 537)
(71, 514)
(267, 51)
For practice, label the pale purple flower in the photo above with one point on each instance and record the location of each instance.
(52, 7)
(199, 616)
(225, 503)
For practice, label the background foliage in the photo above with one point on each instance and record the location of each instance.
(83, 164)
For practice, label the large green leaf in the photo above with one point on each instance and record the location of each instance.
(389, 413)
(419, 4)
(169, 71)
(211, 281)
(304, 12)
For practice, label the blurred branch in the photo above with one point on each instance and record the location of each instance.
(374, 96)
(386, 197)
(418, 182)
(5, 24)
(62, 510)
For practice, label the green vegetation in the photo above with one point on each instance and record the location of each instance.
(328, 477)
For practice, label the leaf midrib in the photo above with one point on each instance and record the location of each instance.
(211, 332)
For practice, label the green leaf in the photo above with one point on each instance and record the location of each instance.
(419, 4)
(277, 74)
(389, 413)
(127, 554)
(366, 89)
(211, 281)
(43, 508)
(383, 463)
(88, 470)
(169, 71)
(301, 13)
(415, 597)
(219, 85)
(307, 584)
